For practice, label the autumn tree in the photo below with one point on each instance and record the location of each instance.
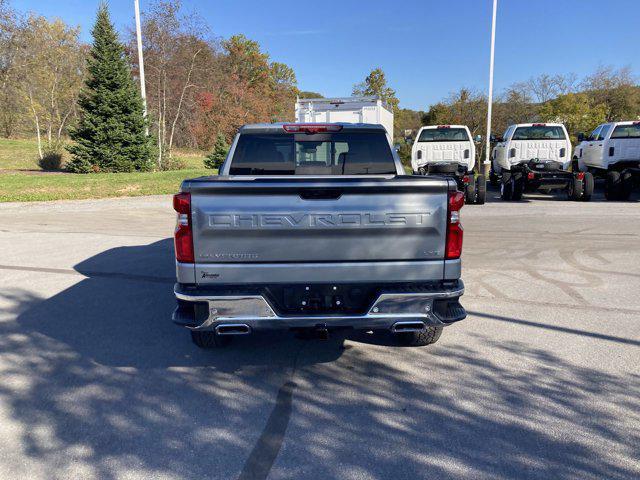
(12, 110)
(309, 94)
(616, 90)
(110, 136)
(464, 107)
(577, 111)
(376, 84)
(51, 72)
(248, 89)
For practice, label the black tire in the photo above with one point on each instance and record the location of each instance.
(209, 339)
(612, 185)
(440, 168)
(470, 191)
(517, 187)
(425, 337)
(481, 189)
(575, 188)
(493, 178)
(626, 185)
(588, 185)
(506, 186)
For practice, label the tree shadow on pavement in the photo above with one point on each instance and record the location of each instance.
(104, 386)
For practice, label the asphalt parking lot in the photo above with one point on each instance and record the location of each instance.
(541, 381)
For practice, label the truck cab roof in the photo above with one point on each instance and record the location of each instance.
(274, 127)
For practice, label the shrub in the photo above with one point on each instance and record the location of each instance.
(51, 160)
(173, 163)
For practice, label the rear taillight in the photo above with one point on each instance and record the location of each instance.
(465, 179)
(531, 176)
(612, 151)
(580, 175)
(183, 236)
(453, 247)
(311, 128)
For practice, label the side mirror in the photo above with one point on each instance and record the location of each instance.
(478, 139)
(581, 137)
(496, 139)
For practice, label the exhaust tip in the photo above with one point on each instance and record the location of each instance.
(233, 329)
(408, 327)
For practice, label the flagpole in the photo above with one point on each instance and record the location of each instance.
(487, 160)
(143, 89)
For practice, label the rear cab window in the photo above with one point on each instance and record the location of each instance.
(444, 134)
(539, 132)
(335, 153)
(627, 131)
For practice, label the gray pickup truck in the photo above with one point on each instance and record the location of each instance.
(316, 227)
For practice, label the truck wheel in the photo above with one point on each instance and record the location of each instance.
(481, 189)
(517, 187)
(493, 178)
(612, 185)
(209, 339)
(470, 191)
(626, 185)
(575, 188)
(506, 186)
(419, 339)
(588, 185)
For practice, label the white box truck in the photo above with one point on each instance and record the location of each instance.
(345, 110)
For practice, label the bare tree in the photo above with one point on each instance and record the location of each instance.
(51, 65)
(547, 87)
(176, 54)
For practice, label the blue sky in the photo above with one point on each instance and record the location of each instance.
(427, 48)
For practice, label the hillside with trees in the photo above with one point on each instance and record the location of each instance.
(201, 88)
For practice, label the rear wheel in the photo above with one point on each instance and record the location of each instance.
(517, 188)
(209, 339)
(588, 186)
(425, 337)
(493, 178)
(470, 191)
(506, 187)
(612, 185)
(575, 188)
(626, 185)
(481, 189)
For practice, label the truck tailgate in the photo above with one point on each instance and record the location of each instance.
(258, 230)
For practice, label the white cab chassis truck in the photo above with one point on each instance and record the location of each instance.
(536, 157)
(370, 110)
(611, 151)
(449, 150)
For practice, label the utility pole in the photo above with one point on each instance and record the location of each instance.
(487, 161)
(143, 89)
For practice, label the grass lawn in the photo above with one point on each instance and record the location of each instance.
(20, 187)
(19, 182)
(18, 154)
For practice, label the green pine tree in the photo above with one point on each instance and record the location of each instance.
(110, 136)
(220, 150)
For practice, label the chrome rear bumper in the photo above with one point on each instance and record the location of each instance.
(390, 311)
